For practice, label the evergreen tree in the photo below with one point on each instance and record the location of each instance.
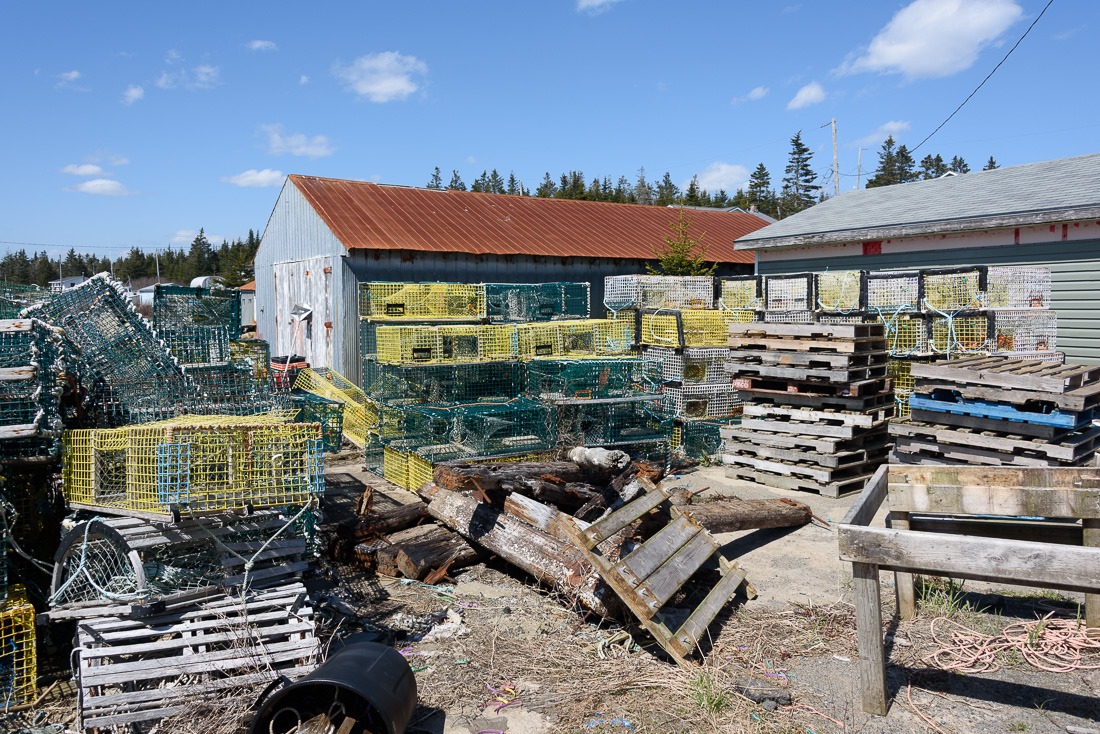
(623, 193)
(990, 165)
(547, 188)
(681, 254)
(760, 192)
(200, 259)
(436, 181)
(668, 193)
(905, 165)
(932, 166)
(958, 165)
(515, 188)
(799, 190)
(693, 197)
(643, 190)
(886, 173)
(456, 182)
(494, 184)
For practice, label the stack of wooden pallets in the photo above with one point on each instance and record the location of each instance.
(1000, 411)
(816, 405)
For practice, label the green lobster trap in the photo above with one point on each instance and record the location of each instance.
(14, 297)
(565, 380)
(31, 367)
(329, 414)
(442, 384)
(698, 439)
(481, 429)
(523, 302)
(607, 424)
(197, 324)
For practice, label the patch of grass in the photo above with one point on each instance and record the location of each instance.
(945, 598)
(1019, 726)
(709, 695)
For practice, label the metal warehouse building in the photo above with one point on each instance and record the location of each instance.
(326, 235)
(1044, 213)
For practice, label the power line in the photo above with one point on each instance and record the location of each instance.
(998, 66)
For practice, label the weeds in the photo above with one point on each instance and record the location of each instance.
(945, 598)
(710, 696)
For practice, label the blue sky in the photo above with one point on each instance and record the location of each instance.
(135, 124)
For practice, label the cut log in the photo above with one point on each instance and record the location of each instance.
(538, 515)
(600, 460)
(727, 516)
(376, 523)
(551, 561)
(461, 476)
(441, 547)
(383, 552)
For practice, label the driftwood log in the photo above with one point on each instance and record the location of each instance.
(550, 560)
(416, 551)
(373, 525)
(727, 516)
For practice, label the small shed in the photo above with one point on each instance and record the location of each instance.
(327, 235)
(64, 284)
(1042, 214)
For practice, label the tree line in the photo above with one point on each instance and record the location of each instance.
(231, 261)
(896, 165)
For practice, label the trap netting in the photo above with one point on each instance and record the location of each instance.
(411, 468)
(255, 353)
(614, 423)
(1018, 287)
(360, 413)
(14, 297)
(6, 512)
(893, 291)
(901, 378)
(133, 377)
(691, 365)
(18, 659)
(520, 302)
(859, 317)
(580, 338)
(622, 292)
(951, 290)
(1025, 331)
(480, 429)
(960, 334)
(906, 334)
(698, 439)
(555, 381)
(329, 414)
(789, 292)
(703, 401)
(197, 324)
(739, 292)
(789, 317)
(445, 344)
(840, 291)
(696, 328)
(421, 301)
(442, 384)
(231, 389)
(196, 463)
(31, 367)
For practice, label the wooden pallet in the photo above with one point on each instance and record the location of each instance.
(813, 360)
(1001, 372)
(805, 468)
(827, 416)
(945, 403)
(776, 435)
(1078, 399)
(824, 332)
(872, 452)
(131, 671)
(967, 454)
(986, 424)
(853, 403)
(822, 388)
(800, 484)
(653, 577)
(742, 370)
(1072, 448)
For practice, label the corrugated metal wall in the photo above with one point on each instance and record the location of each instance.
(1075, 280)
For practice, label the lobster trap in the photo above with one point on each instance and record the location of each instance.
(194, 464)
(698, 439)
(14, 297)
(739, 292)
(636, 292)
(445, 344)
(442, 384)
(522, 302)
(789, 292)
(31, 366)
(127, 565)
(329, 414)
(1025, 331)
(558, 381)
(676, 329)
(1018, 287)
(703, 401)
(906, 334)
(481, 429)
(893, 291)
(570, 339)
(18, 658)
(197, 324)
(789, 317)
(255, 354)
(960, 334)
(231, 389)
(840, 291)
(412, 468)
(691, 365)
(901, 378)
(361, 415)
(421, 301)
(607, 424)
(951, 290)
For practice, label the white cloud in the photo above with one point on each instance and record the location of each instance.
(303, 79)
(725, 176)
(595, 7)
(101, 187)
(68, 77)
(262, 46)
(885, 130)
(754, 94)
(934, 38)
(382, 77)
(184, 236)
(256, 179)
(471, 159)
(206, 76)
(296, 143)
(132, 94)
(83, 169)
(808, 95)
(203, 76)
(173, 56)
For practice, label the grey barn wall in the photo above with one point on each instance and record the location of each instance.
(1075, 280)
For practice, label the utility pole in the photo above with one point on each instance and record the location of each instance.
(836, 162)
(156, 256)
(859, 166)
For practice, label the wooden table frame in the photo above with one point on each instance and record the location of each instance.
(950, 492)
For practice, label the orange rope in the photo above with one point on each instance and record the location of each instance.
(1053, 645)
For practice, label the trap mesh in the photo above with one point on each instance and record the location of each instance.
(692, 365)
(421, 301)
(580, 338)
(31, 366)
(739, 292)
(360, 413)
(698, 439)
(521, 302)
(197, 324)
(133, 378)
(553, 380)
(954, 335)
(622, 292)
(906, 334)
(703, 401)
(951, 291)
(444, 384)
(789, 292)
(697, 328)
(231, 389)
(846, 318)
(329, 414)
(1025, 331)
(613, 424)
(900, 373)
(202, 463)
(481, 429)
(255, 353)
(840, 291)
(789, 317)
(445, 344)
(18, 659)
(892, 291)
(410, 469)
(14, 297)
(1018, 287)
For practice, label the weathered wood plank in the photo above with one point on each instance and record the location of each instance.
(695, 626)
(870, 500)
(948, 499)
(1091, 539)
(872, 659)
(620, 518)
(667, 580)
(648, 557)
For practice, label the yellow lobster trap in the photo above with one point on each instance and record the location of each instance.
(18, 660)
(362, 416)
(578, 338)
(695, 328)
(421, 301)
(407, 345)
(194, 464)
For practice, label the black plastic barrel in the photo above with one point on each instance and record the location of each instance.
(367, 681)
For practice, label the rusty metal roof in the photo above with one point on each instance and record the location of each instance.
(366, 215)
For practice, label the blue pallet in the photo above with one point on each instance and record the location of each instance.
(1000, 411)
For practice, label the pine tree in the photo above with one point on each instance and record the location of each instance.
(905, 166)
(886, 173)
(514, 186)
(760, 192)
(456, 182)
(990, 165)
(436, 181)
(958, 165)
(693, 196)
(932, 166)
(668, 193)
(643, 190)
(799, 190)
(494, 184)
(547, 188)
(681, 254)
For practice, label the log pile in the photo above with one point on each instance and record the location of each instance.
(816, 405)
